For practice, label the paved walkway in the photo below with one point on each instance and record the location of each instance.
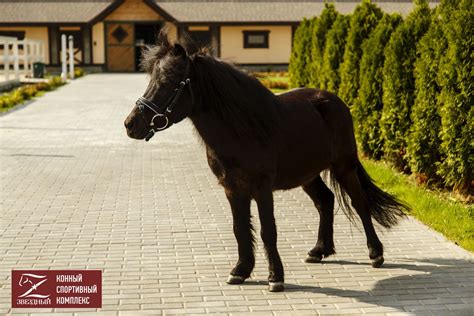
(78, 194)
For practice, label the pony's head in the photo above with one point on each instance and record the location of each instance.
(169, 97)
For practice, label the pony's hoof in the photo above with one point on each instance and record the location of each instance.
(313, 259)
(276, 286)
(377, 262)
(235, 279)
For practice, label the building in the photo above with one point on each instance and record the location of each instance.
(109, 34)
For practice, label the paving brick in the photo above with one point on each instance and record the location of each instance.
(78, 193)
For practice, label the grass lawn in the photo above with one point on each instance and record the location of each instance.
(443, 213)
(275, 77)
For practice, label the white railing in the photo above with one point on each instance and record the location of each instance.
(17, 56)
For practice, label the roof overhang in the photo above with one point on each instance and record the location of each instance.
(55, 12)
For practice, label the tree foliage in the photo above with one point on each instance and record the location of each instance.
(301, 45)
(414, 105)
(399, 83)
(368, 106)
(363, 21)
(424, 141)
(318, 41)
(334, 53)
(456, 99)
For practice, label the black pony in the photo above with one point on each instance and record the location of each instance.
(257, 142)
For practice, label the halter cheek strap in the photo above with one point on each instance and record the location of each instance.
(164, 111)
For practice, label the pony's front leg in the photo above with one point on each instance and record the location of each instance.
(264, 199)
(240, 205)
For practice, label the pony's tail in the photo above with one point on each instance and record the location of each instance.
(386, 209)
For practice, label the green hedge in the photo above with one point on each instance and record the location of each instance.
(318, 41)
(334, 53)
(301, 47)
(424, 141)
(410, 83)
(363, 21)
(367, 107)
(456, 100)
(399, 83)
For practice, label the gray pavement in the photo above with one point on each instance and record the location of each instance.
(76, 193)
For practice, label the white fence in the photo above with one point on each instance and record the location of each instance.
(17, 57)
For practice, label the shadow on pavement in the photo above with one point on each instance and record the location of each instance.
(427, 286)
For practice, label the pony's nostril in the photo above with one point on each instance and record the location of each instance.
(128, 124)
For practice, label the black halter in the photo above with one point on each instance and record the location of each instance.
(163, 111)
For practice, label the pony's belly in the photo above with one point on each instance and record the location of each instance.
(297, 172)
(290, 181)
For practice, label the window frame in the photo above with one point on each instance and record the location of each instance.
(266, 36)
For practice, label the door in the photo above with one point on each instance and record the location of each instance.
(120, 46)
(145, 34)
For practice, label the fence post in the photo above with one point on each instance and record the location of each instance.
(25, 57)
(63, 58)
(16, 61)
(6, 58)
(41, 48)
(71, 57)
(32, 58)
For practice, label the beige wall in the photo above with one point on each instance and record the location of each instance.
(34, 33)
(133, 10)
(172, 31)
(232, 45)
(98, 44)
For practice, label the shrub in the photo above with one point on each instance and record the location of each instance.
(78, 72)
(363, 21)
(24, 93)
(274, 84)
(423, 146)
(456, 99)
(56, 82)
(318, 41)
(333, 54)
(265, 74)
(367, 107)
(298, 58)
(399, 83)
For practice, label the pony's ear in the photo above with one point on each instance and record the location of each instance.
(179, 50)
(162, 38)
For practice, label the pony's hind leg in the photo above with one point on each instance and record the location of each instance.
(351, 184)
(240, 206)
(323, 199)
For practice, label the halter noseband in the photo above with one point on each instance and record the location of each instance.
(166, 109)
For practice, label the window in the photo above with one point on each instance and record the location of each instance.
(256, 39)
(18, 34)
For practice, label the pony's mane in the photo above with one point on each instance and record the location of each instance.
(239, 100)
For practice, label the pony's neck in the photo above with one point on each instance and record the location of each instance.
(233, 108)
(213, 131)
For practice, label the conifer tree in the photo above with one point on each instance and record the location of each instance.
(457, 99)
(318, 41)
(399, 83)
(334, 53)
(363, 21)
(368, 106)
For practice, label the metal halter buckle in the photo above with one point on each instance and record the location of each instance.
(152, 123)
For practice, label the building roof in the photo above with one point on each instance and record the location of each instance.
(248, 11)
(52, 11)
(196, 11)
